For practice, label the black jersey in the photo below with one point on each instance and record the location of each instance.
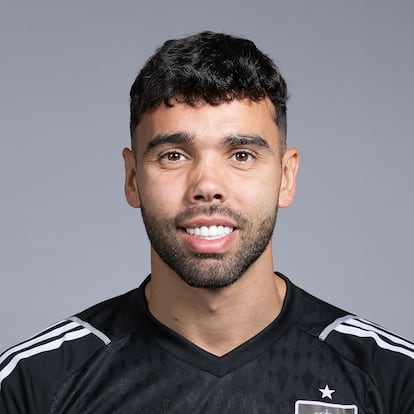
(117, 358)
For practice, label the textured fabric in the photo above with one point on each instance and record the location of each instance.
(116, 358)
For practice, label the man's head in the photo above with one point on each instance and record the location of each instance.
(210, 67)
(209, 167)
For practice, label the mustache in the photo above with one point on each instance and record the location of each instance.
(211, 210)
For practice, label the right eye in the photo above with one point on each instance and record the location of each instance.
(173, 156)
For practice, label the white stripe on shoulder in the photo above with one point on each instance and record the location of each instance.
(61, 322)
(49, 346)
(332, 326)
(361, 323)
(371, 334)
(92, 329)
(351, 325)
(39, 338)
(47, 340)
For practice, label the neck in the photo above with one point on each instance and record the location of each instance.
(217, 320)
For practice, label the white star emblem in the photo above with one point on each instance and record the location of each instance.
(326, 392)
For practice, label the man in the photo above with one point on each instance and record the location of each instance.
(213, 329)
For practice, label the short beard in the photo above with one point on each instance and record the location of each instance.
(209, 270)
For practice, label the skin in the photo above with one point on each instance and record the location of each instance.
(211, 168)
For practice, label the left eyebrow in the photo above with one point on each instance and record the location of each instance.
(244, 140)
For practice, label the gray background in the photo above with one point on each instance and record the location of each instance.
(67, 237)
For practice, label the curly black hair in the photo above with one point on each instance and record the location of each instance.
(210, 67)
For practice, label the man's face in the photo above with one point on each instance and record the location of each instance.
(208, 180)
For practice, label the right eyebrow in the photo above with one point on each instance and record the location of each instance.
(178, 138)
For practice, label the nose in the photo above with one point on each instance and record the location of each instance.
(206, 184)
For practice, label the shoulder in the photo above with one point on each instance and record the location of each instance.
(384, 357)
(343, 330)
(369, 345)
(33, 371)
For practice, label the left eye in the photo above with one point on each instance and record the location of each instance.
(242, 156)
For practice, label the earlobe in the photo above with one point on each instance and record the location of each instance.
(290, 165)
(131, 187)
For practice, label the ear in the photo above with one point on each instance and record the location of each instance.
(290, 165)
(131, 187)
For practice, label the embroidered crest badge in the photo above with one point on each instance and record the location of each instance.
(318, 407)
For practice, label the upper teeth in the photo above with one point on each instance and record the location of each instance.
(210, 231)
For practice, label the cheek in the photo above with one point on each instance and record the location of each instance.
(159, 194)
(261, 191)
(265, 202)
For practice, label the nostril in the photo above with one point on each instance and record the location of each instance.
(200, 197)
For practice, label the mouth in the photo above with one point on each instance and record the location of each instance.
(212, 232)
(209, 235)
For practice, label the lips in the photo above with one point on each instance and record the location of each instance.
(208, 234)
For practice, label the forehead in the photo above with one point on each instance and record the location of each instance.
(204, 121)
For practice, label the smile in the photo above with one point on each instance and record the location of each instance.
(210, 232)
